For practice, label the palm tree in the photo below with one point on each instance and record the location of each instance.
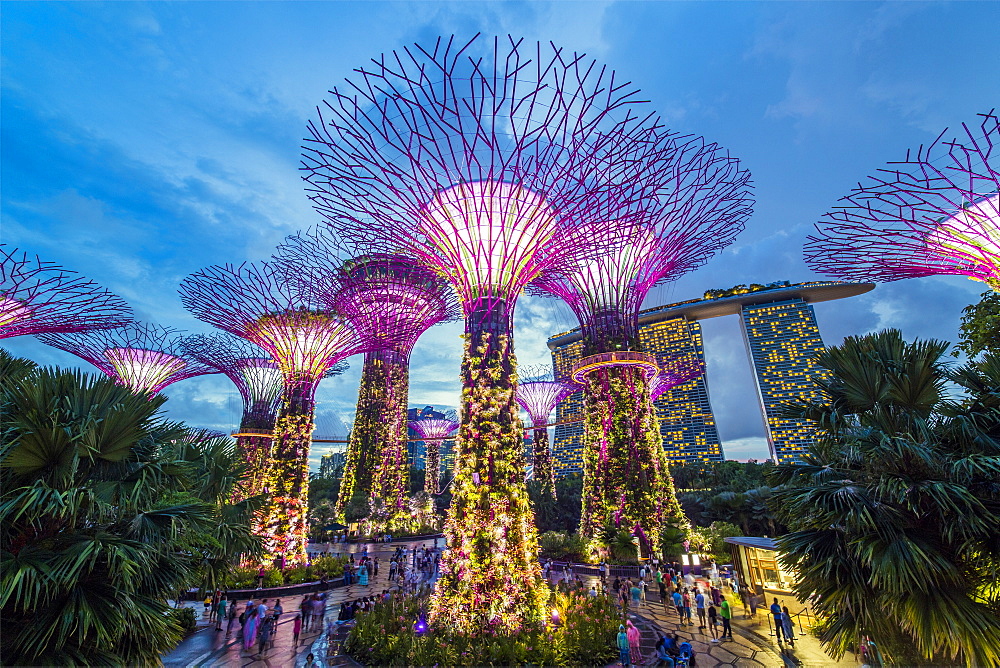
(895, 513)
(105, 510)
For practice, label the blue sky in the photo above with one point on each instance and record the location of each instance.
(141, 142)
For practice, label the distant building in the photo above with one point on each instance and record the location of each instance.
(781, 337)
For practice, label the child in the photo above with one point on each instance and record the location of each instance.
(208, 605)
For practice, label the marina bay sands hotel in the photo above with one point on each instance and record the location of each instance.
(781, 337)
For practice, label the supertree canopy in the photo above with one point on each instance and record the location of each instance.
(935, 212)
(433, 431)
(479, 162)
(538, 393)
(38, 297)
(392, 300)
(703, 200)
(259, 382)
(261, 304)
(141, 356)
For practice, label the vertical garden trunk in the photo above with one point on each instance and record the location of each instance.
(542, 461)
(490, 577)
(285, 528)
(391, 477)
(432, 467)
(627, 485)
(256, 450)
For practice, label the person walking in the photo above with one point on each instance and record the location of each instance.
(306, 609)
(686, 598)
(713, 622)
(250, 628)
(233, 607)
(264, 636)
(699, 601)
(679, 606)
(727, 615)
(663, 593)
(753, 602)
(634, 642)
(276, 611)
(363, 575)
(296, 630)
(776, 614)
(624, 649)
(220, 613)
(636, 595)
(786, 626)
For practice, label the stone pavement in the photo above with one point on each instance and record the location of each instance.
(208, 648)
(753, 644)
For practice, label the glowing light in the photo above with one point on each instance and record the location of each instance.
(630, 358)
(13, 310)
(610, 280)
(303, 341)
(971, 239)
(145, 370)
(263, 379)
(492, 230)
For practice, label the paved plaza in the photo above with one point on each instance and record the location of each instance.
(753, 643)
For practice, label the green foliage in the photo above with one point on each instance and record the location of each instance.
(730, 491)
(895, 512)
(585, 637)
(561, 545)
(14, 369)
(561, 513)
(357, 509)
(980, 328)
(186, 620)
(106, 510)
(715, 536)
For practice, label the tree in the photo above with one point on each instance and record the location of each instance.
(980, 328)
(895, 512)
(106, 510)
(561, 513)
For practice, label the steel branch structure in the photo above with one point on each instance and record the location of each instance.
(937, 211)
(141, 356)
(38, 297)
(258, 380)
(287, 319)
(433, 431)
(487, 163)
(702, 202)
(392, 300)
(538, 393)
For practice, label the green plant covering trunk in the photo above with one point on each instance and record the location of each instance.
(256, 450)
(627, 482)
(490, 576)
(376, 466)
(432, 467)
(542, 461)
(285, 528)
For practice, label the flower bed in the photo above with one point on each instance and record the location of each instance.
(582, 633)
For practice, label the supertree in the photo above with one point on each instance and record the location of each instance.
(38, 297)
(392, 300)
(538, 393)
(702, 203)
(433, 431)
(479, 164)
(261, 304)
(937, 211)
(258, 380)
(141, 356)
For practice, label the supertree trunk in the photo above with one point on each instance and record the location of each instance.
(627, 483)
(542, 461)
(377, 464)
(286, 532)
(391, 477)
(490, 576)
(256, 450)
(432, 467)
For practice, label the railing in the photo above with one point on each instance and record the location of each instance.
(645, 361)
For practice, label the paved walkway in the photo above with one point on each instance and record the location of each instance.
(208, 648)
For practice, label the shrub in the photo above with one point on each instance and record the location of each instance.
(561, 545)
(586, 634)
(185, 618)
